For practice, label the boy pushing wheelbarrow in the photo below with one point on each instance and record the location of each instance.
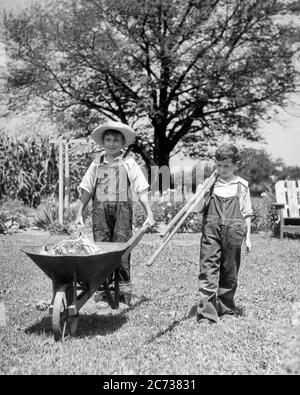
(113, 181)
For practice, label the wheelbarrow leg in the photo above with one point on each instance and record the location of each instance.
(64, 320)
(55, 287)
(116, 289)
(108, 294)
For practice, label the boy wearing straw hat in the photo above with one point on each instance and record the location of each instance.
(113, 181)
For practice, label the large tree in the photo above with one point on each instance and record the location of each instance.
(182, 72)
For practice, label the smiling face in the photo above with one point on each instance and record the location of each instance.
(226, 169)
(113, 142)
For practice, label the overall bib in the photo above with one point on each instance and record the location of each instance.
(224, 229)
(112, 209)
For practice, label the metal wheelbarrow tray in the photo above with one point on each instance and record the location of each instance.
(75, 278)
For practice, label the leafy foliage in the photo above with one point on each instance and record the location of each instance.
(265, 217)
(29, 169)
(257, 167)
(28, 172)
(12, 223)
(3, 219)
(183, 74)
(288, 173)
(262, 171)
(164, 207)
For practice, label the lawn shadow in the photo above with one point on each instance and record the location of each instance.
(40, 328)
(88, 325)
(142, 299)
(173, 325)
(101, 325)
(94, 324)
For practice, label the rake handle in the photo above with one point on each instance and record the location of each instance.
(187, 205)
(201, 195)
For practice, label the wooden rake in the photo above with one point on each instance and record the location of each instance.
(182, 215)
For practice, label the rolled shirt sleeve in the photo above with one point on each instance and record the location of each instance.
(89, 179)
(138, 181)
(247, 206)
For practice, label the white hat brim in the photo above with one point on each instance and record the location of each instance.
(127, 132)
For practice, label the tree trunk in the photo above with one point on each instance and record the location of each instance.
(160, 174)
(157, 166)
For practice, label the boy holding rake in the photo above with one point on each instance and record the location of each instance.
(226, 224)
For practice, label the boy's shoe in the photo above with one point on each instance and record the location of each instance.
(126, 288)
(236, 312)
(125, 294)
(209, 316)
(207, 312)
(239, 311)
(123, 298)
(204, 320)
(100, 296)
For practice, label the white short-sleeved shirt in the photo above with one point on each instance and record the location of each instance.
(137, 179)
(229, 189)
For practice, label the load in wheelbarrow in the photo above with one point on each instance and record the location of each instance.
(75, 278)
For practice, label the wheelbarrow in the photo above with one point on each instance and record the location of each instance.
(75, 278)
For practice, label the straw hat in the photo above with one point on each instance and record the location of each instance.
(127, 132)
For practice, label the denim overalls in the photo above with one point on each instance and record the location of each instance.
(224, 229)
(112, 208)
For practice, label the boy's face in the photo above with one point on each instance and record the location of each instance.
(226, 168)
(113, 143)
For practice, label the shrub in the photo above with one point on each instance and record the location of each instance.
(265, 217)
(3, 220)
(44, 218)
(47, 217)
(14, 215)
(164, 207)
(22, 220)
(57, 229)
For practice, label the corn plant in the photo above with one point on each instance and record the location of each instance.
(29, 170)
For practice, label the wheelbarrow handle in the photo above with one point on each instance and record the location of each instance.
(135, 239)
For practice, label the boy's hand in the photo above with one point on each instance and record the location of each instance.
(248, 245)
(79, 221)
(149, 221)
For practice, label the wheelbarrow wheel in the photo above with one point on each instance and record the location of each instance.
(63, 324)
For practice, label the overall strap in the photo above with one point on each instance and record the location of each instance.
(101, 160)
(126, 153)
(95, 188)
(239, 190)
(208, 195)
(211, 191)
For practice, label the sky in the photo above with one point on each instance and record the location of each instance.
(282, 134)
(9, 4)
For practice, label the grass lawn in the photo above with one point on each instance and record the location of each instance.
(159, 333)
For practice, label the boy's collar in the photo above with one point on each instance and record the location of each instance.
(234, 180)
(120, 156)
